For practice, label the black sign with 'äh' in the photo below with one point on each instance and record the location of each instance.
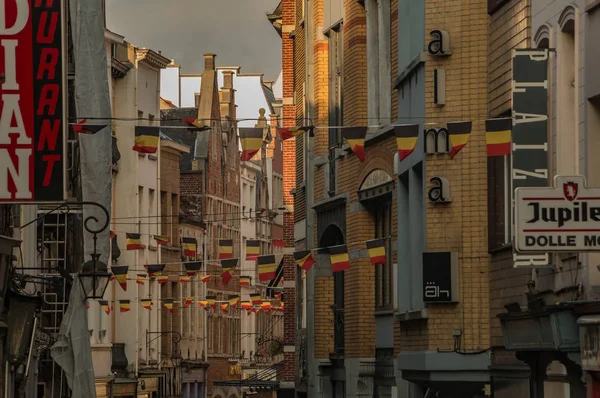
(437, 277)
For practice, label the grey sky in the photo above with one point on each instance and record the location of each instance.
(236, 30)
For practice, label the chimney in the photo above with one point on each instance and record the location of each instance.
(228, 79)
(209, 61)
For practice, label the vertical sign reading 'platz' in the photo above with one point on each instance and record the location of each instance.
(32, 115)
(530, 132)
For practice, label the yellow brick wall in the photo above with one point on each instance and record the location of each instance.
(359, 280)
(355, 64)
(462, 225)
(509, 28)
(323, 317)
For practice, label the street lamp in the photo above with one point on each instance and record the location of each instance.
(94, 275)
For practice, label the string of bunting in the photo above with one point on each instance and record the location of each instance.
(266, 264)
(252, 306)
(498, 136)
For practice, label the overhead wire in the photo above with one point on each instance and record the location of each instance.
(393, 121)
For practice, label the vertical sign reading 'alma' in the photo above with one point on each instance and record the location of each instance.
(32, 102)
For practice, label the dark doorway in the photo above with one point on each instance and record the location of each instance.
(333, 236)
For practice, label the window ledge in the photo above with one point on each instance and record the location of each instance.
(500, 249)
(412, 315)
(414, 64)
(383, 312)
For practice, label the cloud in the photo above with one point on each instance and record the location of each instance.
(236, 30)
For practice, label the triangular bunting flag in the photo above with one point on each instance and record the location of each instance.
(251, 139)
(83, 127)
(191, 268)
(124, 305)
(355, 137)
(304, 259)
(120, 273)
(406, 139)
(459, 133)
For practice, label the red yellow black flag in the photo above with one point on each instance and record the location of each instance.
(168, 304)
(234, 300)
(146, 139)
(289, 132)
(133, 241)
(355, 137)
(340, 261)
(266, 267)
(120, 273)
(124, 305)
(194, 124)
(304, 259)
(211, 301)
(83, 127)
(244, 281)
(146, 303)
(376, 251)
(228, 266)
(459, 133)
(406, 139)
(225, 249)
(105, 306)
(256, 299)
(498, 136)
(154, 269)
(192, 267)
(162, 239)
(252, 249)
(190, 246)
(251, 139)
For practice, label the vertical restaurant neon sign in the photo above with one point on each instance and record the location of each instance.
(32, 101)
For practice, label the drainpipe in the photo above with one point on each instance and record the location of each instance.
(310, 276)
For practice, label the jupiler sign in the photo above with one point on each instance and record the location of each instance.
(563, 218)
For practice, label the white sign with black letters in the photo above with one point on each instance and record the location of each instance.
(563, 218)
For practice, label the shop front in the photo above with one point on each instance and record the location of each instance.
(589, 329)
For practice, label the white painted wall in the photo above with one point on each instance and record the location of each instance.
(248, 231)
(169, 83)
(192, 318)
(137, 91)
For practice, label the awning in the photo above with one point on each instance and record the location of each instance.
(263, 379)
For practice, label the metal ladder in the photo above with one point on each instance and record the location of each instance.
(53, 251)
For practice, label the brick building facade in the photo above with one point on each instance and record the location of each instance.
(509, 28)
(363, 64)
(210, 191)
